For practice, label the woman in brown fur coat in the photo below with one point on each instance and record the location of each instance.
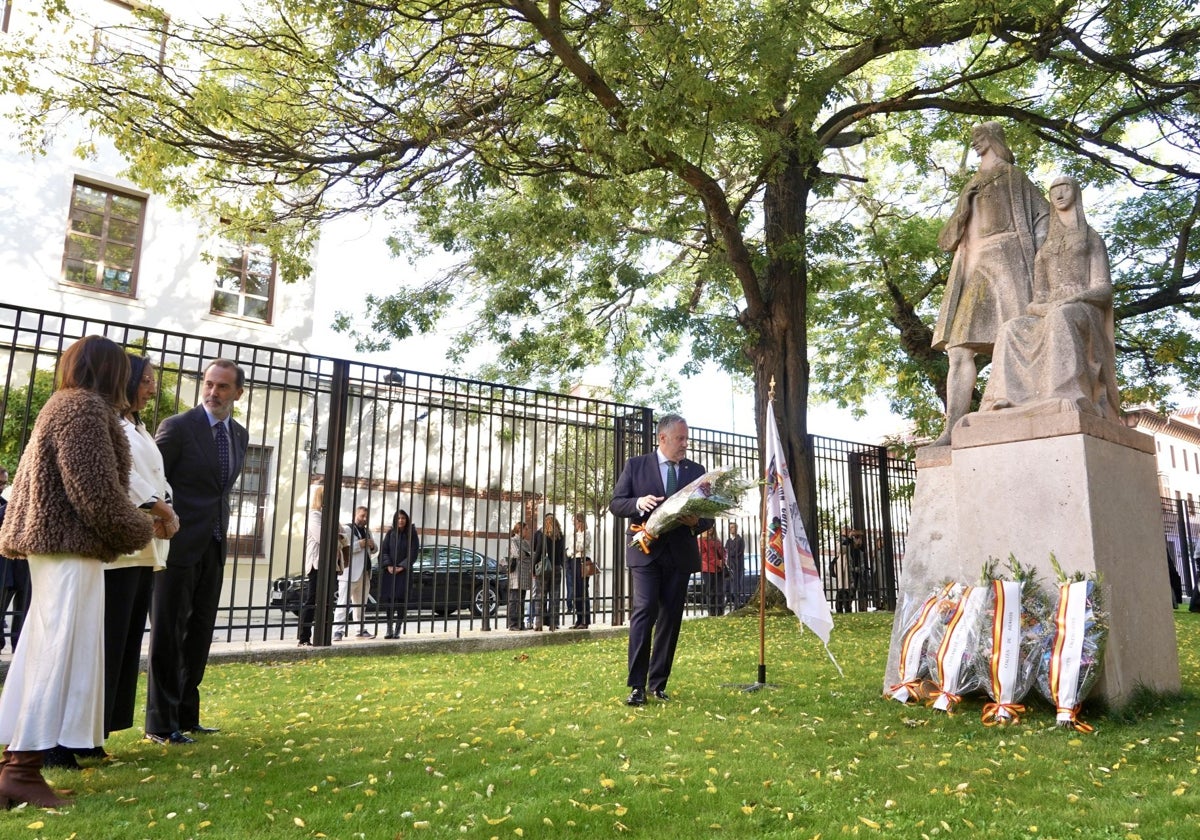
(69, 512)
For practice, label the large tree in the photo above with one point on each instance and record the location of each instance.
(623, 178)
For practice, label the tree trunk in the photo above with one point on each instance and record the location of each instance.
(780, 349)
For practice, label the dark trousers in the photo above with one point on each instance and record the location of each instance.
(714, 592)
(659, 592)
(308, 608)
(577, 591)
(127, 594)
(182, 617)
(516, 607)
(18, 595)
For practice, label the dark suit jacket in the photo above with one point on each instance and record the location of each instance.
(190, 460)
(678, 546)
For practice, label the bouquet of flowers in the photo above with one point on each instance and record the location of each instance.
(953, 646)
(1010, 639)
(1073, 647)
(915, 620)
(713, 494)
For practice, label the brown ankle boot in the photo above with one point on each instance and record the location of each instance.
(21, 781)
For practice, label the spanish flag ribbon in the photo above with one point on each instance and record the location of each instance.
(997, 713)
(1068, 718)
(642, 538)
(945, 700)
(909, 690)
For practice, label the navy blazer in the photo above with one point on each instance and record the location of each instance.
(641, 477)
(190, 460)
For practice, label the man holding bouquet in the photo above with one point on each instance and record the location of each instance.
(661, 569)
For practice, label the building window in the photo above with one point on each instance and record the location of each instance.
(248, 502)
(1172, 448)
(104, 238)
(245, 278)
(120, 33)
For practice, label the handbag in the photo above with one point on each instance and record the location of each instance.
(588, 567)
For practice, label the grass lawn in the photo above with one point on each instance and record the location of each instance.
(537, 743)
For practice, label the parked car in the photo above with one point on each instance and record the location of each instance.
(447, 578)
(443, 579)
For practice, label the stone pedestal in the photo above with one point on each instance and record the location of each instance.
(1079, 486)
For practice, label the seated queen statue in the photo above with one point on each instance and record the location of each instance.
(1060, 356)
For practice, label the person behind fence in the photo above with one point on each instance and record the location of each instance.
(735, 564)
(355, 580)
(578, 580)
(68, 514)
(312, 564)
(203, 451)
(712, 571)
(848, 569)
(549, 555)
(660, 577)
(14, 583)
(396, 555)
(520, 573)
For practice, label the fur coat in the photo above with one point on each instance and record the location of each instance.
(70, 494)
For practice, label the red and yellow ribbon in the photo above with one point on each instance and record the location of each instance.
(642, 538)
(992, 716)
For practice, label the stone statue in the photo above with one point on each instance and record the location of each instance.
(994, 232)
(1062, 349)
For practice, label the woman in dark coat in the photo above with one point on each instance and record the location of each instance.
(549, 554)
(400, 546)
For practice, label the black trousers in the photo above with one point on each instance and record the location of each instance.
(659, 593)
(127, 593)
(182, 617)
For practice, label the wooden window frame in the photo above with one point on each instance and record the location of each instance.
(240, 267)
(103, 238)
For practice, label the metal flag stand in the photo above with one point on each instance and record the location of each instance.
(761, 683)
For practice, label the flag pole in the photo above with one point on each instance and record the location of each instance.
(762, 576)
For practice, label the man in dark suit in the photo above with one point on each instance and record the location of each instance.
(203, 451)
(660, 577)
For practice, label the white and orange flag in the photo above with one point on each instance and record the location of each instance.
(789, 559)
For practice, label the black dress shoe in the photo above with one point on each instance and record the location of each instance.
(304, 643)
(60, 757)
(659, 694)
(203, 730)
(637, 697)
(91, 752)
(390, 636)
(175, 737)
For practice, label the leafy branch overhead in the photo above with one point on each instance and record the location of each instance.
(754, 183)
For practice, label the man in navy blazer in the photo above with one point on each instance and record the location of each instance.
(660, 577)
(188, 592)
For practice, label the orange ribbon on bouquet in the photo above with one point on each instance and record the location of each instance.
(992, 717)
(642, 538)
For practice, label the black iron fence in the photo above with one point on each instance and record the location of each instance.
(465, 459)
(1181, 523)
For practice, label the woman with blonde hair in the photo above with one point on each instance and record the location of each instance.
(312, 559)
(69, 513)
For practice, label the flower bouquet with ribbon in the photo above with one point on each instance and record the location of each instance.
(1073, 649)
(1010, 639)
(954, 644)
(716, 493)
(915, 620)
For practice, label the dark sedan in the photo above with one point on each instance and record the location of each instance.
(443, 579)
